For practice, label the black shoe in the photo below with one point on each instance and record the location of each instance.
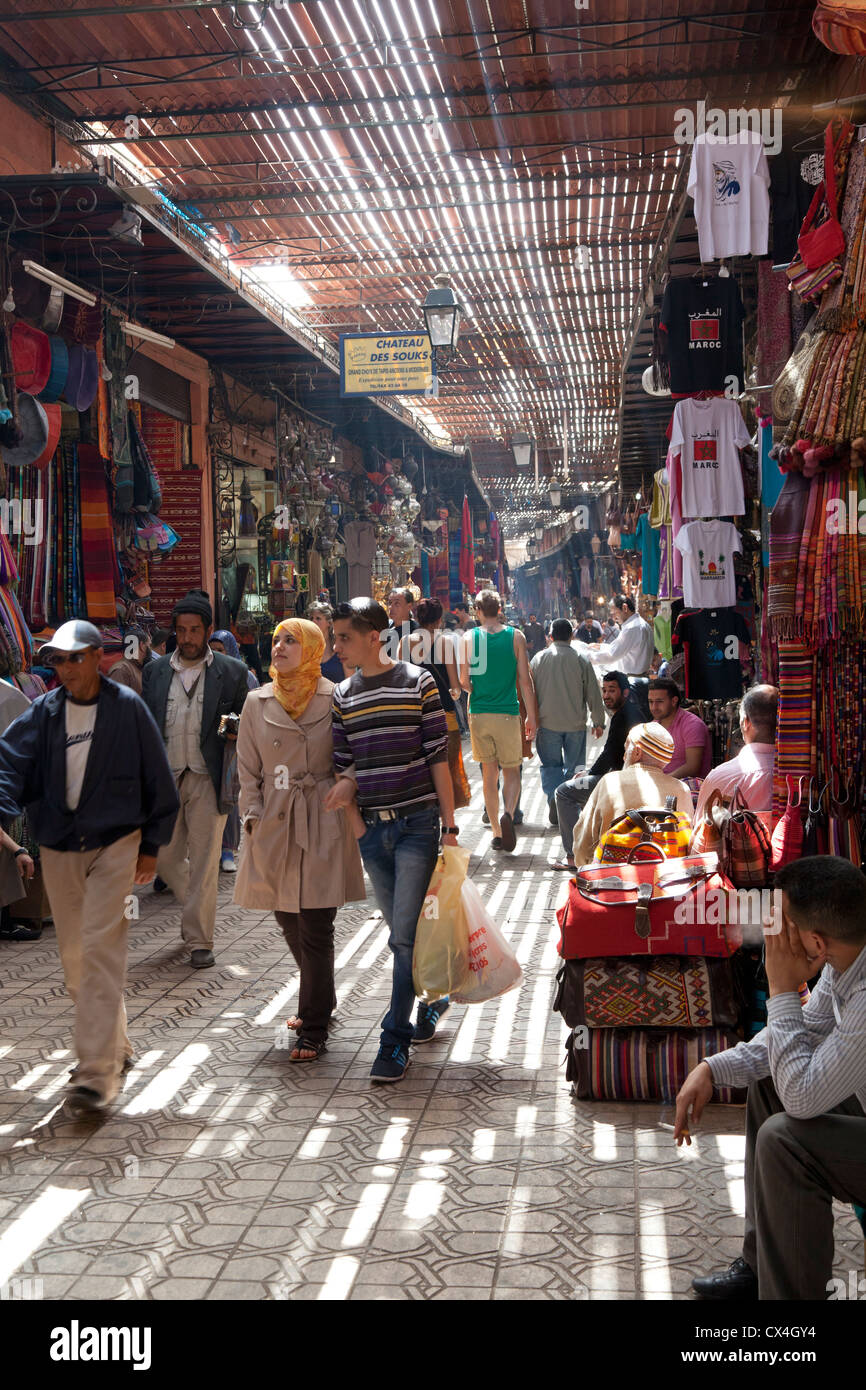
(485, 819)
(83, 1101)
(737, 1282)
(160, 885)
(391, 1064)
(496, 842)
(517, 818)
(552, 815)
(428, 1016)
(200, 960)
(509, 839)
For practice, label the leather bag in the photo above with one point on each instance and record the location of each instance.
(647, 909)
(787, 838)
(841, 26)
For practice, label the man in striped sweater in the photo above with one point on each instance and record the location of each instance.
(391, 758)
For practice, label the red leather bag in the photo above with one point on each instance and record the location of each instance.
(787, 837)
(649, 909)
(825, 242)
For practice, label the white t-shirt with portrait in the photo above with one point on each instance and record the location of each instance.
(729, 180)
(707, 436)
(708, 549)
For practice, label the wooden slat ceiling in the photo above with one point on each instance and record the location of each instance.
(365, 145)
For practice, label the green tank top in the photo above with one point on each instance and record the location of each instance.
(493, 671)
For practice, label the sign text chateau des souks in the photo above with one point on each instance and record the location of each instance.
(385, 364)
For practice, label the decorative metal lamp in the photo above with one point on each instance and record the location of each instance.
(555, 492)
(521, 448)
(442, 312)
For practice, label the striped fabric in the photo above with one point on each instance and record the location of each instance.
(645, 1063)
(392, 728)
(796, 732)
(97, 535)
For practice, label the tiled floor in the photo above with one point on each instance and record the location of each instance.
(226, 1172)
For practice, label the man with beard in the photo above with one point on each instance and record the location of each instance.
(571, 797)
(187, 694)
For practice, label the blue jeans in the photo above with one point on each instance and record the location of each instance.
(560, 754)
(400, 856)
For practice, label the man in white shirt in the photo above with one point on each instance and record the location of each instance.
(806, 1107)
(752, 769)
(631, 652)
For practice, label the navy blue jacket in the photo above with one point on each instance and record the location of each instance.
(128, 783)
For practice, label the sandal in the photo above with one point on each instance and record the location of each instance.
(307, 1045)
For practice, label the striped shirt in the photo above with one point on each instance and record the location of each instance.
(392, 729)
(815, 1054)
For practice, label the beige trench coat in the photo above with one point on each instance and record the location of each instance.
(299, 855)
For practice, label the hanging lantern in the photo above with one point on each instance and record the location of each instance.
(442, 315)
(521, 448)
(555, 492)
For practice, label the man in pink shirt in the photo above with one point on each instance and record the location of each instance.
(752, 769)
(692, 752)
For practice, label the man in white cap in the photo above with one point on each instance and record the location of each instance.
(641, 783)
(87, 764)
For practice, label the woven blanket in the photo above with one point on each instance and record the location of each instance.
(796, 734)
(97, 535)
(663, 992)
(644, 1064)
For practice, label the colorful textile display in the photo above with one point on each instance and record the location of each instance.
(642, 1064)
(100, 570)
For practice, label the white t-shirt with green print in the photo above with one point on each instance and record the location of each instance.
(708, 549)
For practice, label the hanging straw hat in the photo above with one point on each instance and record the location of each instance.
(31, 357)
(53, 389)
(33, 426)
(83, 377)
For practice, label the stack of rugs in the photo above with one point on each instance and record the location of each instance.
(647, 989)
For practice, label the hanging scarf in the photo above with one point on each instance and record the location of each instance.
(295, 689)
(787, 521)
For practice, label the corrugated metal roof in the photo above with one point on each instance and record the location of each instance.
(368, 144)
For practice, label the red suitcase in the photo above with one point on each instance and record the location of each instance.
(649, 909)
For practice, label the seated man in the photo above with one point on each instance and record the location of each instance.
(642, 782)
(692, 755)
(571, 797)
(806, 1074)
(752, 769)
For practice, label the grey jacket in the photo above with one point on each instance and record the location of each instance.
(225, 689)
(566, 687)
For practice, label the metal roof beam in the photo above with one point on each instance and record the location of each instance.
(390, 123)
(480, 91)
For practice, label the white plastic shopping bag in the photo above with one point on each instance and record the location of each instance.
(492, 965)
(440, 960)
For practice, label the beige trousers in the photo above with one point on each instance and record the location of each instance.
(189, 863)
(88, 890)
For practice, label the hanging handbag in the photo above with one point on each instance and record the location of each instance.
(843, 826)
(648, 909)
(820, 245)
(646, 992)
(787, 838)
(745, 854)
(706, 835)
(815, 829)
(670, 830)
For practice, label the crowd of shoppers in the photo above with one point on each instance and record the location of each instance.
(349, 759)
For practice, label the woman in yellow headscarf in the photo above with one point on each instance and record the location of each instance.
(297, 859)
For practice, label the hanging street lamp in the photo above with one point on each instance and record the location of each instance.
(521, 447)
(555, 492)
(539, 531)
(442, 313)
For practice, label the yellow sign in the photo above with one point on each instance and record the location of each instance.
(386, 364)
